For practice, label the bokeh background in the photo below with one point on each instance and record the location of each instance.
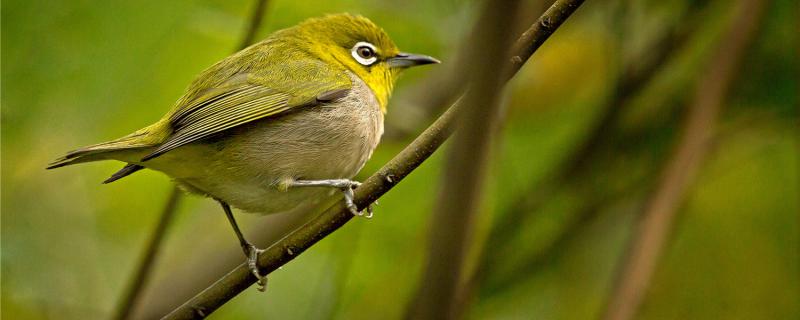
(557, 213)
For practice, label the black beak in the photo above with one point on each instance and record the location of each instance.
(406, 60)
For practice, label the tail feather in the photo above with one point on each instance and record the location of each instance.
(124, 172)
(98, 151)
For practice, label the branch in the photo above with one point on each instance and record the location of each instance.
(254, 23)
(142, 272)
(657, 219)
(146, 265)
(373, 188)
(465, 172)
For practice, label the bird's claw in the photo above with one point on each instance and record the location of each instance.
(347, 190)
(345, 185)
(252, 259)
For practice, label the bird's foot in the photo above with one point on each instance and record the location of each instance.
(348, 202)
(346, 186)
(252, 259)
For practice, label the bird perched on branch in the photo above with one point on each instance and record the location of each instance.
(282, 123)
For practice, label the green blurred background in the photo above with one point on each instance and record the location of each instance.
(80, 72)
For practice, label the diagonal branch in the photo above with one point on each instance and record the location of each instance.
(373, 188)
(653, 230)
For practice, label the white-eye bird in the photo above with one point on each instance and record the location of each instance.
(276, 126)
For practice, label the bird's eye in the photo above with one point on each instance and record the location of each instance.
(364, 53)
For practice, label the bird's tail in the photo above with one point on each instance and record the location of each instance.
(150, 136)
(100, 151)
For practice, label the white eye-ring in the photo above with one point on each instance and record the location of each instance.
(364, 53)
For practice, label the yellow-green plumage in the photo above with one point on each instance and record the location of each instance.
(297, 105)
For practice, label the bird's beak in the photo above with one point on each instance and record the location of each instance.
(406, 60)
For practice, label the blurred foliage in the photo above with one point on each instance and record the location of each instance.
(80, 72)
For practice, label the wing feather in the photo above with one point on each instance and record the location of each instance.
(252, 94)
(232, 110)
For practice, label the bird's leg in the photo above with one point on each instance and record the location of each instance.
(345, 185)
(250, 251)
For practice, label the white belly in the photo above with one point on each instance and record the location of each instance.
(244, 166)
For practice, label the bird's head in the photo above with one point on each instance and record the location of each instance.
(358, 45)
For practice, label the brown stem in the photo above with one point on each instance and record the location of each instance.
(375, 186)
(146, 265)
(655, 225)
(140, 278)
(464, 175)
(254, 23)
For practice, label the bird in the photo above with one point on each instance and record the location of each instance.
(276, 126)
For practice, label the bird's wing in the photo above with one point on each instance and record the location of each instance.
(251, 96)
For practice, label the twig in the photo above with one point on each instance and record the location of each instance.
(656, 222)
(464, 174)
(254, 23)
(146, 264)
(375, 186)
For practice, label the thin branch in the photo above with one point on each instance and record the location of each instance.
(375, 186)
(145, 266)
(657, 219)
(539, 32)
(464, 175)
(254, 24)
